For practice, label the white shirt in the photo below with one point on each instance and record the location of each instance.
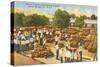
(33, 35)
(31, 39)
(60, 52)
(64, 52)
(22, 42)
(80, 48)
(44, 41)
(57, 47)
(19, 32)
(16, 41)
(68, 53)
(47, 32)
(50, 33)
(41, 35)
(66, 36)
(72, 55)
(27, 41)
(22, 36)
(37, 38)
(56, 38)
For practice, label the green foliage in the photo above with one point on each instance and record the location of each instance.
(18, 19)
(61, 19)
(73, 16)
(79, 22)
(39, 20)
(84, 17)
(93, 17)
(21, 20)
(27, 21)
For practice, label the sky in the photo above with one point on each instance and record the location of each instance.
(49, 9)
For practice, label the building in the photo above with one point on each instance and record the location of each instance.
(72, 21)
(88, 22)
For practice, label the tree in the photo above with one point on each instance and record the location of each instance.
(61, 19)
(79, 22)
(93, 17)
(27, 21)
(39, 20)
(72, 15)
(84, 17)
(31, 20)
(18, 19)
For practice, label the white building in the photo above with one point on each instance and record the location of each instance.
(72, 21)
(88, 22)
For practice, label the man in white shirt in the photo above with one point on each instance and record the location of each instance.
(16, 44)
(64, 54)
(22, 46)
(56, 39)
(33, 35)
(31, 39)
(72, 56)
(27, 44)
(31, 43)
(22, 36)
(68, 54)
(81, 49)
(57, 52)
(47, 32)
(50, 32)
(61, 55)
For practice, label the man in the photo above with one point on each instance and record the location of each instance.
(67, 44)
(61, 54)
(27, 44)
(57, 52)
(44, 42)
(47, 32)
(68, 54)
(16, 44)
(35, 44)
(72, 56)
(22, 46)
(80, 49)
(64, 54)
(56, 39)
(31, 42)
(77, 55)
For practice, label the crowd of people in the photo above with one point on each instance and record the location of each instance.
(24, 41)
(29, 40)
(68, 54)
